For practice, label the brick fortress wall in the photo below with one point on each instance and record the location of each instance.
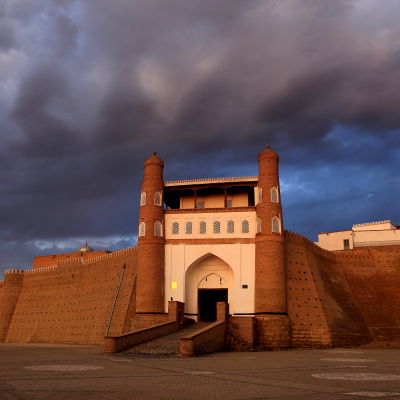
(373, 275)
(341, 298)
(49, 261)
(70, 302)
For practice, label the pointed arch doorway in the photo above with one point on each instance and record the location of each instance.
(208, 281)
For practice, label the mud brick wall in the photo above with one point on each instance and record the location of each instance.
(207, 340)
(143, 321)
(10, 290)
(321, 306)
(373, 275)
(273, 331)
(51, 260)
(242, 329)
(72, 302)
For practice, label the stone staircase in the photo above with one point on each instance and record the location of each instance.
(168, 345)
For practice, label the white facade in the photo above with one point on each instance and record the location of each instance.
(229, 266)
(381, 233)
(210, 242)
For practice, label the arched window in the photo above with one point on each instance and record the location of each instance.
(231, 227)
(258, 225)
(245, 226)
(157, 229)
(274, 195)
(260, 195)
(143, 199)
(217, 227)
(175, 228)
(276, 226)
(189, 227)
(157, 198)
(142, 229)
(203, 227)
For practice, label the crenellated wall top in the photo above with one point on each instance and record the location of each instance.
(110, 255)
(251, 178)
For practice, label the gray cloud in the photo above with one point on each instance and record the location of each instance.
(89, 89)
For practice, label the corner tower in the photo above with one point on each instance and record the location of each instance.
(151, 242)
(270, 276)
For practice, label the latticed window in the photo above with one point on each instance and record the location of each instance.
(203, 227)
(175, 228)
(157, 228)
(258, 225)
(217, 227)
(189, 227)
(274, 195)
(260, 195)
(143, 199)
(275, 225)
(231, 227)
(157, 198)
(142, 229)
(200, 204)
(346, 244)
(245, 226)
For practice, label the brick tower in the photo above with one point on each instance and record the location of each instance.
(150, 262)
(270, 276)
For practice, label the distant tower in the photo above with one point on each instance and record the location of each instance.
(270, 279)
(150, 261)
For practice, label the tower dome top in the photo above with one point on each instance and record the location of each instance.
(154, 160)
(85, 248)
(268, 153)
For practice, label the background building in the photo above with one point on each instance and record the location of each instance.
(380, 233)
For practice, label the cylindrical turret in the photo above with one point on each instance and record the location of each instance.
(150, 261)
(270, 276)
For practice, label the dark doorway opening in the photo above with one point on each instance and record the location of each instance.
(208, 299)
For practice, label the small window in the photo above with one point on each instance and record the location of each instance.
(203, 227)
(175, 228)
(231, 227)
(260, 195)
(275, 225)
(157, 198)
(143, 199)
(258, 225)
(157, 229)
(142, 229)
(245, 226)
(229, 203)
(274, 195)
(200, 204)
(217, 227)
(346, 244)
(189, 227)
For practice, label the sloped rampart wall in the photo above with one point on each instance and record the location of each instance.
(373, 275)
(321, 306)
(72, 302)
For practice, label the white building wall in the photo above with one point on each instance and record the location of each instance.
(209, 218)
(239, 257)
(383, 233)
(334, 240)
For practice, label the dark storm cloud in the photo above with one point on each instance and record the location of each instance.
(89, 89)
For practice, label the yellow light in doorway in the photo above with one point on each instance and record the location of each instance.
(174, 285)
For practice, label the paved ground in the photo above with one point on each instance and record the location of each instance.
(39, 371)
(168, 344)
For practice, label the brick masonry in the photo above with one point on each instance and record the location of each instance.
(304, 296)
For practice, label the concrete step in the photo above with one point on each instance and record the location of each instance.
(167, 345)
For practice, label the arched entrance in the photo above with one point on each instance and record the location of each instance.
(208, 281)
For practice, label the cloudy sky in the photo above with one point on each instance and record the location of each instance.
(90, 88)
